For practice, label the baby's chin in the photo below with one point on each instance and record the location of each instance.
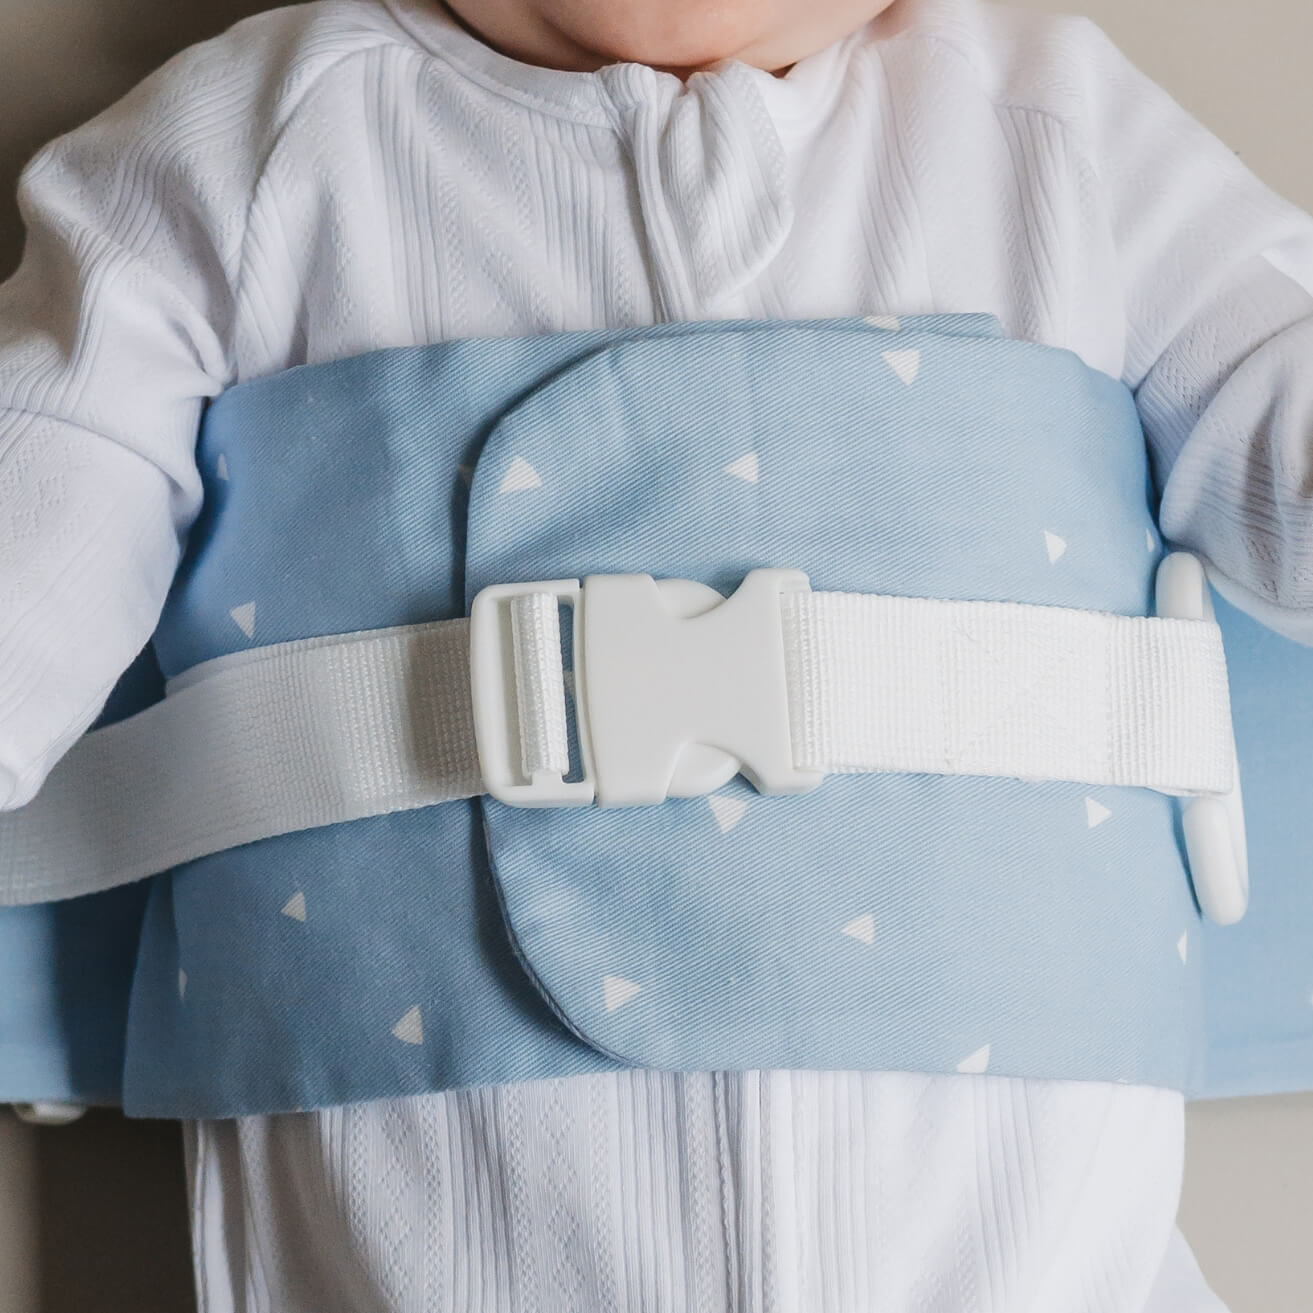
(683, 34)
(678, 35)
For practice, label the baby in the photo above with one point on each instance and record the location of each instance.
(348, 175)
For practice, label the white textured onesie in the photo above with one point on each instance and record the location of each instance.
(347, 175)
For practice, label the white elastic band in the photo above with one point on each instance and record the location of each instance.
(305, 734)
(987, 688)
(331, 730)
(540, 685)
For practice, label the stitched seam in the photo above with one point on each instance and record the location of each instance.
(292, 110)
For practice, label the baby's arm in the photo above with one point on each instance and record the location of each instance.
(1217, 273)
(113, 333)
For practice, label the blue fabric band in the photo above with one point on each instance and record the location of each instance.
(902, 922)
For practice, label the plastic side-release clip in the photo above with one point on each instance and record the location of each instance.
(1214, 826)
(677, 689)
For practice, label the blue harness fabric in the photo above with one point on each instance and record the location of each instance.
(66, 970)
(1258, 975)
(897, 922)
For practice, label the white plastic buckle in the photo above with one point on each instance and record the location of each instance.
(1214, 826)
(677, 689)
(495, 701)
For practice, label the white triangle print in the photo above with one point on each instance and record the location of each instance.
(727, 811)
(1055, 546)
(221, 467)
(747, 468)
(1148, 540)
(906, 364)
(1183, 945)
(888, 322)
(521, 477)
(617, 991)
(410, 1029)
(861, 928)
(244, 618)
(295, 906)
(976, 1064)
(1095, 813)
(182, 984)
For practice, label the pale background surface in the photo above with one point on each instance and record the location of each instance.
(92, 1216)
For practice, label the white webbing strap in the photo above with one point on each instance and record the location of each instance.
(987, 688)
(540, 685)
(305, 734)
(331, 730)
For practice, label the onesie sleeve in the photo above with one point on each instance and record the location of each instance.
(113, 333)
(1217, 273)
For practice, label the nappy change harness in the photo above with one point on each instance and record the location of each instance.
(915, 561)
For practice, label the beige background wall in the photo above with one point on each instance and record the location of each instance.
(91, 1217)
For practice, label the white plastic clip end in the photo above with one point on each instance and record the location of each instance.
(1214, 827)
